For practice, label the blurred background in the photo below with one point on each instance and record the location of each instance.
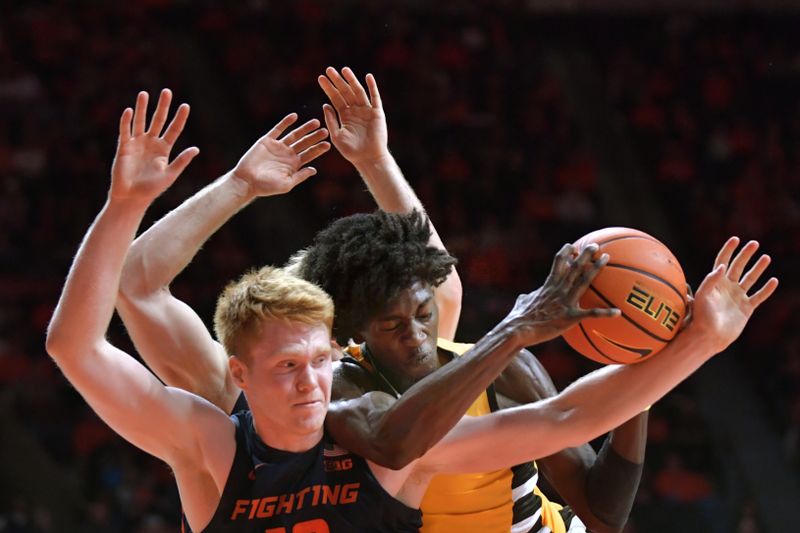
(521, 125)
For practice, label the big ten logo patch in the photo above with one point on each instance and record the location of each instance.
(651, 303)
(337, 465)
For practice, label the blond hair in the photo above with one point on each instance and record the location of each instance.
(264, 294)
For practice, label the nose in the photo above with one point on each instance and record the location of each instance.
(306, 379)
(415, 334)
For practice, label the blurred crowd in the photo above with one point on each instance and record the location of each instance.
(480, 125)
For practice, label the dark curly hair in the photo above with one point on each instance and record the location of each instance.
(365, 260)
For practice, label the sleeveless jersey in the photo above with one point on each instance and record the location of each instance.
(325, 489)
(489, 502)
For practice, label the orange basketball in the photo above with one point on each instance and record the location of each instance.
(644, 281)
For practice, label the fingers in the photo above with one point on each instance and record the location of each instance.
(725, 254)
(297, 133)
(342, 86)
(358, 89)
(740, 261)
(332, 93)
(754, 273)
(125, 125)
(309, 140)
(182, 161)
(712, 278)
(561, 260)
(578, 267)
(175, 127)
(765, 292)
(600, 312)
(140, 113)
(281, 126)
(302, 175)
(160, 114)
(374, 95)
(331, 120)
(314, 152)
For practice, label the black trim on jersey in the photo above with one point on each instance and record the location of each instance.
(522, 473)
(525, 507)
(240, 405)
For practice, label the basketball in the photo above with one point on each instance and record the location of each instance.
(644, 280)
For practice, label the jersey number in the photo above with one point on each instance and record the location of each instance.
(318, 525)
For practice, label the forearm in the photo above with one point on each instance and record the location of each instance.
(432, 406)
(613, 480)
(393, 194)
(615, 394)
(164, 250)
(87, 301)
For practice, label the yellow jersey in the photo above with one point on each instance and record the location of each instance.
(489, 502)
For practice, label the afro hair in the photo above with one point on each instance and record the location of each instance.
(365, 260)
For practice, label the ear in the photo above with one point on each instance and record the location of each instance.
(238, 370)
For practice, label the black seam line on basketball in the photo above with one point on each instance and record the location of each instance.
(622, 237)
(626, 317)
(601, 352)
(649, 275)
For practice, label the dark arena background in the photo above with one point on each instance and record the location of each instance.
(521, 125)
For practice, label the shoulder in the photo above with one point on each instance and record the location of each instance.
(350, 380)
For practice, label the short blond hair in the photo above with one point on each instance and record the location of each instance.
(267, 293)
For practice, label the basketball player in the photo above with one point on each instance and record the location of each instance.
(368, 281)
(271, 468)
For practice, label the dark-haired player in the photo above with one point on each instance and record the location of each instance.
(272, 468)
(378, 266)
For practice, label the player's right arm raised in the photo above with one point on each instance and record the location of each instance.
(357, 123)
(168, 334)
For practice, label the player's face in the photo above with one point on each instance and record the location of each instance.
(288, 382)
(402, 336)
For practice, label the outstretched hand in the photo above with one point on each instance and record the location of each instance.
(275, 165)
(356, 120)
(552, 309)
(141, 170)
(722, 306)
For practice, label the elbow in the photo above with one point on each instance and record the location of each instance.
(59, 344)
(133, 284)
(394, 456)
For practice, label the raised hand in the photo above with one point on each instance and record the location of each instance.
(141, 169)
(274, 165)
(722, 306)
(356, 121)
(552, 309)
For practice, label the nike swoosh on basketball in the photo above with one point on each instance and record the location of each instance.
(643, 352)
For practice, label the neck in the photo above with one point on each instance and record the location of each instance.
(398, 383)
(281, 439)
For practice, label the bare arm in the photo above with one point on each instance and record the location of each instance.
(395, 432)
(600, 488)
(608, 397)
(358, 130)
(119, 389)
(168, 334)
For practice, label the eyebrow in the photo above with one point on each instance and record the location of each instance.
(400, 317)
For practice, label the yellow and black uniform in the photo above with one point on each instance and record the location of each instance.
(325, 489)
(489, 502)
